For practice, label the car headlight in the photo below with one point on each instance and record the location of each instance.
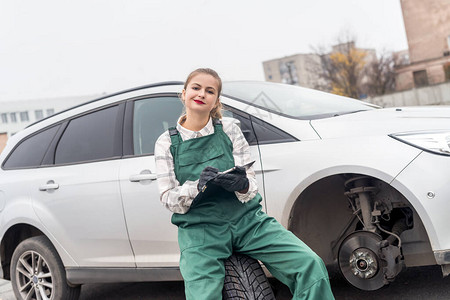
(437, 141)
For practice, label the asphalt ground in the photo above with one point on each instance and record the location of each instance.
(413, 284)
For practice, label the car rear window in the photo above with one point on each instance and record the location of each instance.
(30, 152)
(89, 137)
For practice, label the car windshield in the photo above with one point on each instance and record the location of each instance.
(293, 101)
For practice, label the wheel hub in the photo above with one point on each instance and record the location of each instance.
(363, 263)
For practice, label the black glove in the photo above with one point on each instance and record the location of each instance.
(207, 174)
(234, 181)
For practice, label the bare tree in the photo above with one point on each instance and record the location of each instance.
(345, 69)
(381, 75)
(350, 71)
(341, 70)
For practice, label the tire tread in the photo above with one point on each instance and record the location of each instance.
(245, 279)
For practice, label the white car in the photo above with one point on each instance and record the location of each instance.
(366, 188)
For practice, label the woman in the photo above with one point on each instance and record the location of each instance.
(218, 214)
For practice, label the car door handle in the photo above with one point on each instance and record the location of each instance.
(144, 175)
(51, 185)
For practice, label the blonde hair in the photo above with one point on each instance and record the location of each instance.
(216, 112)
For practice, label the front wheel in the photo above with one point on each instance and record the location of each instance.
(37, 272)
(245, 280)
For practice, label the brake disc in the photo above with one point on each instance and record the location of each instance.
(359, 260)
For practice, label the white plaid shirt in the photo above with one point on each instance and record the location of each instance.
(178, 198)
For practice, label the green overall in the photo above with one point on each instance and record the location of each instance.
(219, 224)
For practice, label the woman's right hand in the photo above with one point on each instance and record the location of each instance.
(207, 174)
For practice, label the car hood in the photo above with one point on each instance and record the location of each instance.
(384, 121)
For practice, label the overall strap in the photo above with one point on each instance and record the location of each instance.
(217, 125)
(174, 136)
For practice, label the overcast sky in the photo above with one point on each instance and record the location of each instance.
(51, 48)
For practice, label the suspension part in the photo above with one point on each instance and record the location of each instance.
(359, 187)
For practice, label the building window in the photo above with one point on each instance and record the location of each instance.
(39, 114)
(420, 78)
(13, 117)
(24, 116)
(447, 71)
(4, 118)
(50, 112)
(288, 72)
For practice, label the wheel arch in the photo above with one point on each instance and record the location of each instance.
(319, 211)
(424, 216)
(11, 239)
(312, 179)
(18, 232)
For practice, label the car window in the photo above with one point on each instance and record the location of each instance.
(268, 134)
(243, 121)
(89, 137)
(151, 117)
(255, 130)
(293, 101)
(30, 152)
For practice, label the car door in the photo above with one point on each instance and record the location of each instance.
(152, 235)
(76, 191)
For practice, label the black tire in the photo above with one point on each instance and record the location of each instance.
(245, 279)
(37, 269)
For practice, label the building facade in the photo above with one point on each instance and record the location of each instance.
(305, 69)
(297, 69)
(3, 139)
(427, 26)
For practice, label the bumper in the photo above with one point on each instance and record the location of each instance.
(442, 257)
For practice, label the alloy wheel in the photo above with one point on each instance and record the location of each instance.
(34, 277)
